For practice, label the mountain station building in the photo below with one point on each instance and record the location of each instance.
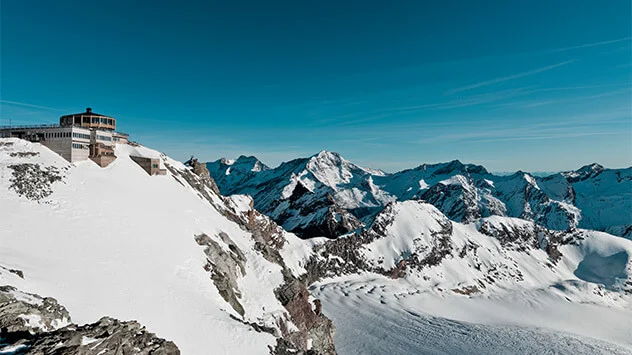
(79, 136)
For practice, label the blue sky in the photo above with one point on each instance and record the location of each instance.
(530, 85)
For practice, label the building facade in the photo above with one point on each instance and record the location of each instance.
(150, 165)
(79, 136)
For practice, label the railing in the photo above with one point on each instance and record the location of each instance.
(42, 126)
(31, 126)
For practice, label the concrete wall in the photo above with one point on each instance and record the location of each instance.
(151, 166)
(119, 138)
(103, 160)
(59, 140)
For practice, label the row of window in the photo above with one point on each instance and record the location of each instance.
(80, 135)
(79, 146)
(104, 138)
(86, 119)
(57, 135)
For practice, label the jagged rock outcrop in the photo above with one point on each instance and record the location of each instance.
(27, 312)
(515, 234)
(203, 174)
(312, 324)
(225, 267)
(302, 330)
(106, 336)
(31, 324)
(459, 201)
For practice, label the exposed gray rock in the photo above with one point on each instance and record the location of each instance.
(23, 154)
(224, 267)
(459, 202)
(523, 237)
(313, 325)
(107, 336)
(227, 263)
(32, 324)
(33, 182)
(21, 311)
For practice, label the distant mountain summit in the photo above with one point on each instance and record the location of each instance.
(327, 195)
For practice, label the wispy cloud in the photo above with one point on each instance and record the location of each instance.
(23, 104)
(550, 136)
(576, 99)
(594, 44)
(507, 78)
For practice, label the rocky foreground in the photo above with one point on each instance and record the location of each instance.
(31, 324)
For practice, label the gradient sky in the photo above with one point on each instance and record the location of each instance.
(530, 85)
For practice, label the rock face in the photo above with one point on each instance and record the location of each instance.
(107, 336)
(414, 240)
(21, 311)
(225, 268)
(311, 197)
(33, 182)
(33, 324)
(301, 329)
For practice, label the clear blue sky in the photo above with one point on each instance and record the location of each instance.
(531, 85)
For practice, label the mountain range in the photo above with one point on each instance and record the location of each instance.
(327, 195)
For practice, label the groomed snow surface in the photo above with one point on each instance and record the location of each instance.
(382, 316)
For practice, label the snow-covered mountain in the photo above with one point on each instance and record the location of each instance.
(326, 195)
(414, 268)
(311, 196)
(196, 268)
(96, 259)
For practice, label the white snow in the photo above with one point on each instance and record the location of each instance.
(377, 315)
(116, 241)
(423, 184)
(11, 349)
(88, 340)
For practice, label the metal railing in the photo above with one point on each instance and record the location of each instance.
(32, 126)
(53, 125)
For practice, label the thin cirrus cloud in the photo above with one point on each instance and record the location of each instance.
(594, 44)
(507, 78)
(551, 136)
(23, 104)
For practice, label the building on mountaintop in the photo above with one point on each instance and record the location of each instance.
(79, 136)
(150, 165)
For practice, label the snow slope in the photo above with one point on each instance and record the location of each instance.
(500, 285)
(379, 316)
(116, 241)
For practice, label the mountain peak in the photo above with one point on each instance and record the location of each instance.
(325, 154)
(585, 172)
(249, 163)
(456, 166)
(591, 168)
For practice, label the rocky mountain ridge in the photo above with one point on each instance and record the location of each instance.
(327, 195)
